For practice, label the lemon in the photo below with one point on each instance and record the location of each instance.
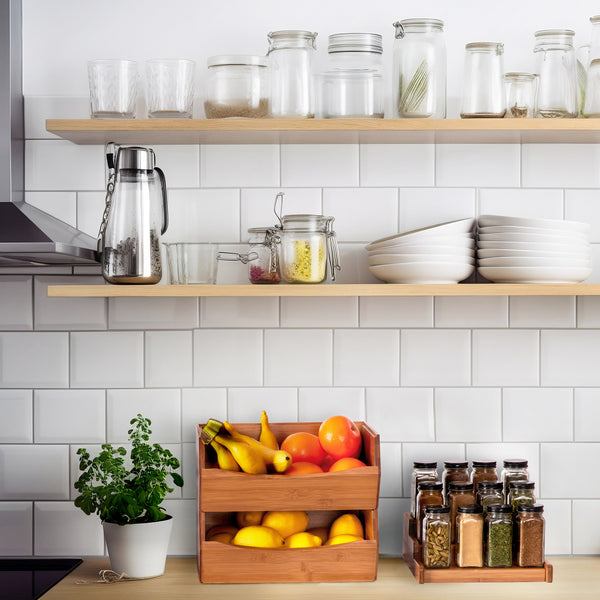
(218, 529)
(347, 524)
(249, 517)
(224, 537)
(303, 539)
(258, 536)
(343, 538)
(322, 532)
(286, 522)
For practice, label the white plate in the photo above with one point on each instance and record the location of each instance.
(460, 240)
(562, 233)
(392, 259)
(493, 252)
(515, 261)
(490, 220)
(535, 274)
(422, 273)
(425, 249)
(537, 246)
(531, 237)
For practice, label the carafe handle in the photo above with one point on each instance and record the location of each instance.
(163, 186)
(111, 150)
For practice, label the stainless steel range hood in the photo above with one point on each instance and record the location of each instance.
(28, 236)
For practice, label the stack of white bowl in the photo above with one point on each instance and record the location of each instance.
(442, 253)
(521, 250)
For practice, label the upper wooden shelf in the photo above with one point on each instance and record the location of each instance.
(315, 131)
(359, 289)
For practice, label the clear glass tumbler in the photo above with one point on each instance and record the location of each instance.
(520, 95)
(170, 87)
(113, 88)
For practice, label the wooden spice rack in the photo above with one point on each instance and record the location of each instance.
(323, 495)
(412, 555)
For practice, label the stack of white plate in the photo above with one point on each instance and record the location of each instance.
(520, 250)
(442, 253)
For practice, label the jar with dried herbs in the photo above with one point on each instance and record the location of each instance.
(521, 492)
(430, 493)
(422, 471)
(454, 471)
(459, 494)
(498, 533)
(514, 469)
(530, 535)
(489, 492)
(483, 470)
(469, 536)
(436, 537)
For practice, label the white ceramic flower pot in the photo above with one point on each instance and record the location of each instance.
(139, 550)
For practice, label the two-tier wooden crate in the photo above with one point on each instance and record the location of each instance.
(322, 495)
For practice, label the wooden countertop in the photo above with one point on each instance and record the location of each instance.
(574, 578)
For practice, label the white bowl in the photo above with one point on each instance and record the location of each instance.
(537, 246)
(425, 249)
(514, 261)
(561, 233)
(422, 273)
(531, 237)
(489, 220)
(460, 240)
(535, 274)
(493, 252)
(392, 259)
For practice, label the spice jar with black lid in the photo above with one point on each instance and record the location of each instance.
(422, 471)
(489, 492)
(459, 494)
(530, 535)
(436, 537)
(515, 469)
(498, 533)
(483, 470)
(454, 471)
(521, 492)
(430, 493)
(469, 536)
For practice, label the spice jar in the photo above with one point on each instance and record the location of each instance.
(430, 493)
(469, 536)
(454, 471)
(483, 86)
(291, 55)
(422, 471)
(419, 67)
(514, 469)
(459, 494)
(483, 470)
(436, 537)
(498, 532)
(556, 66)
(489, 492)
(520, 95)
(530, 535)
(521, 492)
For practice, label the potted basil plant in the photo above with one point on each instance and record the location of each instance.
(127, 496)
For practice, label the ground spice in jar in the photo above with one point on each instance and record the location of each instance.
(430, 493)
(469, 535)
(459, 494)
(530, 536)
(483, 470)
(454, 471)
(498, 533)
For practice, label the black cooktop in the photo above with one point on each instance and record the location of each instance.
(30, 578)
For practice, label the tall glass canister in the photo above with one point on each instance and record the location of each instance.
(419, 69)
(291, 57)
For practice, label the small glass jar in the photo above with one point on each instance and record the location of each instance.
(308, 245)
(436, 537)
(556, 66)
(430, 493)
(422, 471)
(483, 87)
(469, 536)
(265, 267)
(498, 533)
(483, 470)
(454, 471)
(237, 86)
(521, 492)
(459, 494)
(489, 492)
(514, 469)
(530, 536)
(591, 106)
(520, 95)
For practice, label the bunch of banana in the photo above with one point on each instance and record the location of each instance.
(236, 451)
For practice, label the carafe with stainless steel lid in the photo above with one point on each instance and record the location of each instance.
(135, 216)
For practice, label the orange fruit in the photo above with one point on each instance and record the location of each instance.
(340, 437)
(302, 468)
(327, 462)
(346, 463)
(303, 447)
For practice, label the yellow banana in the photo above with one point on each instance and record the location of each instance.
(267, 437)
(248, 458)
(224, 457)
(280, 459)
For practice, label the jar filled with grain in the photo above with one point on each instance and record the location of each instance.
(497, 536)
(521, 492)
(530, 535)
(489, 492)
(422, 471)
(469, 536)
(514, 469)
(454, 471)
(459, 494)
(436, 537)
(483, 470)
(430, 493)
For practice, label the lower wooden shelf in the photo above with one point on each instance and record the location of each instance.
(411, 553)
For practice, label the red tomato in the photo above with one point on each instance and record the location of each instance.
(340, 437)
(304, 447)
(346, 463)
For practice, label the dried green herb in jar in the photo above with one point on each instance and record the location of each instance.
(498, 535)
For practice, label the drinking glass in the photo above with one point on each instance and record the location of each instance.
(170, 87)
(113, 88)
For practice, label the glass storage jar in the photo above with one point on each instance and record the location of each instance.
(436, 537)
(469, 536)
(556, 66)
(291, 57)
(419, 69)
(265, 267)
(459, 494)
(483, 470)
(237, 86)
(521, 492)
(422, 471)
(498, 532)
(454, 471)
(483, 86)
(430, 493)
(490, 492)
(530, 536)
(520, 95)
(514, 469)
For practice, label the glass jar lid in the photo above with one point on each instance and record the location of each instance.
(292, 38)
(555, 37)
(355, 42)
(237, 59)
(516, 76)
(417, 25)
(497, 47)
(305, 222)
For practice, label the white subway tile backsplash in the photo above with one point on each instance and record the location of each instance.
(354, 265)
(90, 208)
(244, 405)
(587, 414)
(152, 313)
(505, 357)
(583, 205)
(576, 460)
(16, 302)
(319, 312)
(34, 472)
(319, 165)
(471, 311)
(181, 165)
(519, 202)
(39, 108)
(366, 357)
(62, 205)
(588, 312)
(557, 514)
(103, 359)
(16, 524)
(316, 404)
(586, 531)
(16, 425)
(410, 311)
(197, 406)
(189, 470)
(570, 358)
(397, 164)
(298, 357)
(458, 414)
(542, 311)
(34, 360)
(391, 511)
(239, 312)
(183, 537)
(69, 416)
(430, 357)
(390, 485)
(168, 358)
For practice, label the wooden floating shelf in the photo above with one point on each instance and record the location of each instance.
(329, 131)
(324, 290)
